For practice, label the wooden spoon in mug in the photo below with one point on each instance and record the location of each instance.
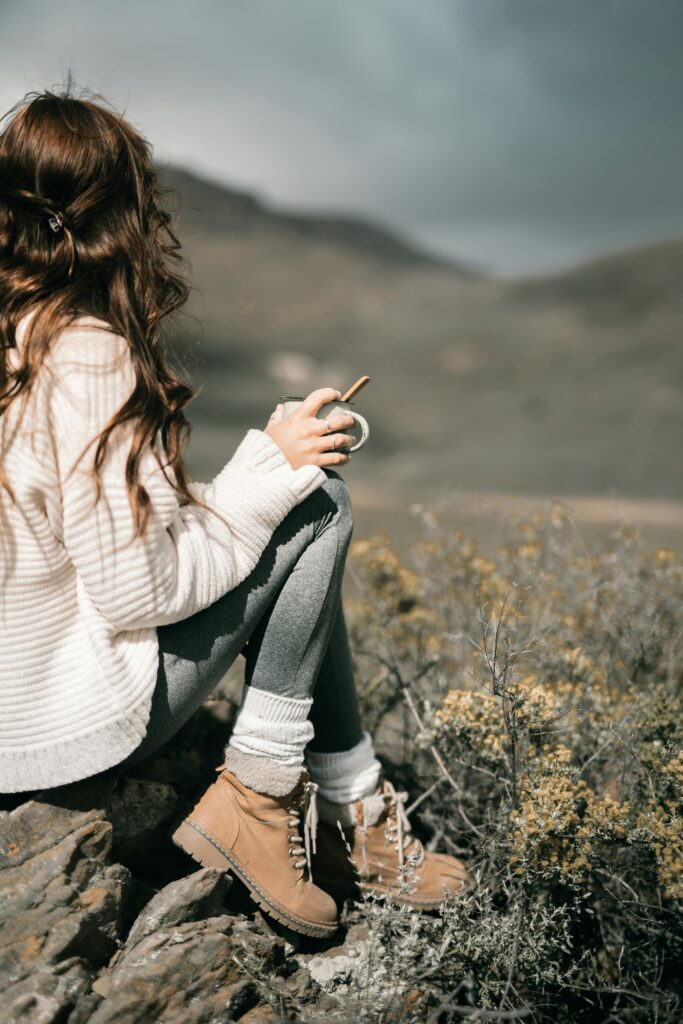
(354, 389)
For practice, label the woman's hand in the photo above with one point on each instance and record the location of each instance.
(304, 439)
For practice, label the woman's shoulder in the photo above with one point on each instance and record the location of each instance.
(85, 339)
(91, 342)
(87, 364)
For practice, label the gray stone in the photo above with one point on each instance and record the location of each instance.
(64, 909)
(60, 911)
(187, 973)
(260, 1015)
(48, 994)
(34, 828)
(195, 897)
(138, 809)
(60, 896)
(334, 968)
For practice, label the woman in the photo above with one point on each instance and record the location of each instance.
(127, 590)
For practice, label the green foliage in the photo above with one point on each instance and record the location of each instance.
(544, 690)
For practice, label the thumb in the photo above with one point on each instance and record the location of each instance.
(276, 414)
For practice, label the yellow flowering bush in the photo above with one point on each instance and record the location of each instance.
(561, 825)
(471, 720)
(544, 727)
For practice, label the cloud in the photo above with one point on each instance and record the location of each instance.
(519, 133)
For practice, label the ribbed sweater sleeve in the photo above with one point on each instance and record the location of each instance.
(188, 557)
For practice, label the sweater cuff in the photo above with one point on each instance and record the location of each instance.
(261, 453)
(259, 479)
(258, 452)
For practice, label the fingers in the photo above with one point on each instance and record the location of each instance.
(307, 439)
(332, 459)
(339, 422)
(334, 441)
(315, 401)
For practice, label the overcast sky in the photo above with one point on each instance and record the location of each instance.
(522, 135)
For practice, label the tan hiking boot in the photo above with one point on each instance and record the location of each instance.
(257, 837)
(377, 850)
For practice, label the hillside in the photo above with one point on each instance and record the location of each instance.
(213, 209)
(634, 282)
(563, 385)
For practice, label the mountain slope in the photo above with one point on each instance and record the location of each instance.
(214, 209)
(632, 283)
(569, 384)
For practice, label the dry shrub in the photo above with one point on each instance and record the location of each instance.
(544, 697)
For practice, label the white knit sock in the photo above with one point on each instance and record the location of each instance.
(347, 775)
(268, 725)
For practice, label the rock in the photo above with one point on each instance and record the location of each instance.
(189, 972)
(138, 809)
(63, 916)
(84, 1010)
(32, 828)
(335, 967)
(260, 1015)
(197, 896)
(181, 959)
(335, 972)
(48, 994)
(61, 911)
(162, 769)
(190, 955)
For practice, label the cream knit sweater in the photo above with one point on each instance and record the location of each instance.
(79, 602)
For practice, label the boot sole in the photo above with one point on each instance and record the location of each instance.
(340, 895)
(193, 840)
(404, 900)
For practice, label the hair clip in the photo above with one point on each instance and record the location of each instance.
(56, 222)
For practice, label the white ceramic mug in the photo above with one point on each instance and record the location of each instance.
(361, 430)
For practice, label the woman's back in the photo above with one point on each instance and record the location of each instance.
(100, 545)
(103, 539)
(84, 243)
(63, 671)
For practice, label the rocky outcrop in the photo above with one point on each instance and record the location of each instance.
(61, 908)
(179, 960)
(104, 920)
(84, 939)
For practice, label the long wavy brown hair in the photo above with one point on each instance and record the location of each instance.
(85, 230)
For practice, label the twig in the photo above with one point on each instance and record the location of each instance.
(475, 1014)
(445, 1004)
(513, 956)
(427, 793)
(599, 750)
(407, 696)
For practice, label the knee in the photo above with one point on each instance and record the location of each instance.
(338, 492)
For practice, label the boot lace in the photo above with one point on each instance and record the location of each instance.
(304, 800)
(398, 828)
(305, 795)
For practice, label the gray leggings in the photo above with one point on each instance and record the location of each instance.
(287, 619)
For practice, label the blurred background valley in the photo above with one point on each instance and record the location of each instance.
(476, 202)
(488, 394)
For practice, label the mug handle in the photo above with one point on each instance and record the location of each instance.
(364, 428)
